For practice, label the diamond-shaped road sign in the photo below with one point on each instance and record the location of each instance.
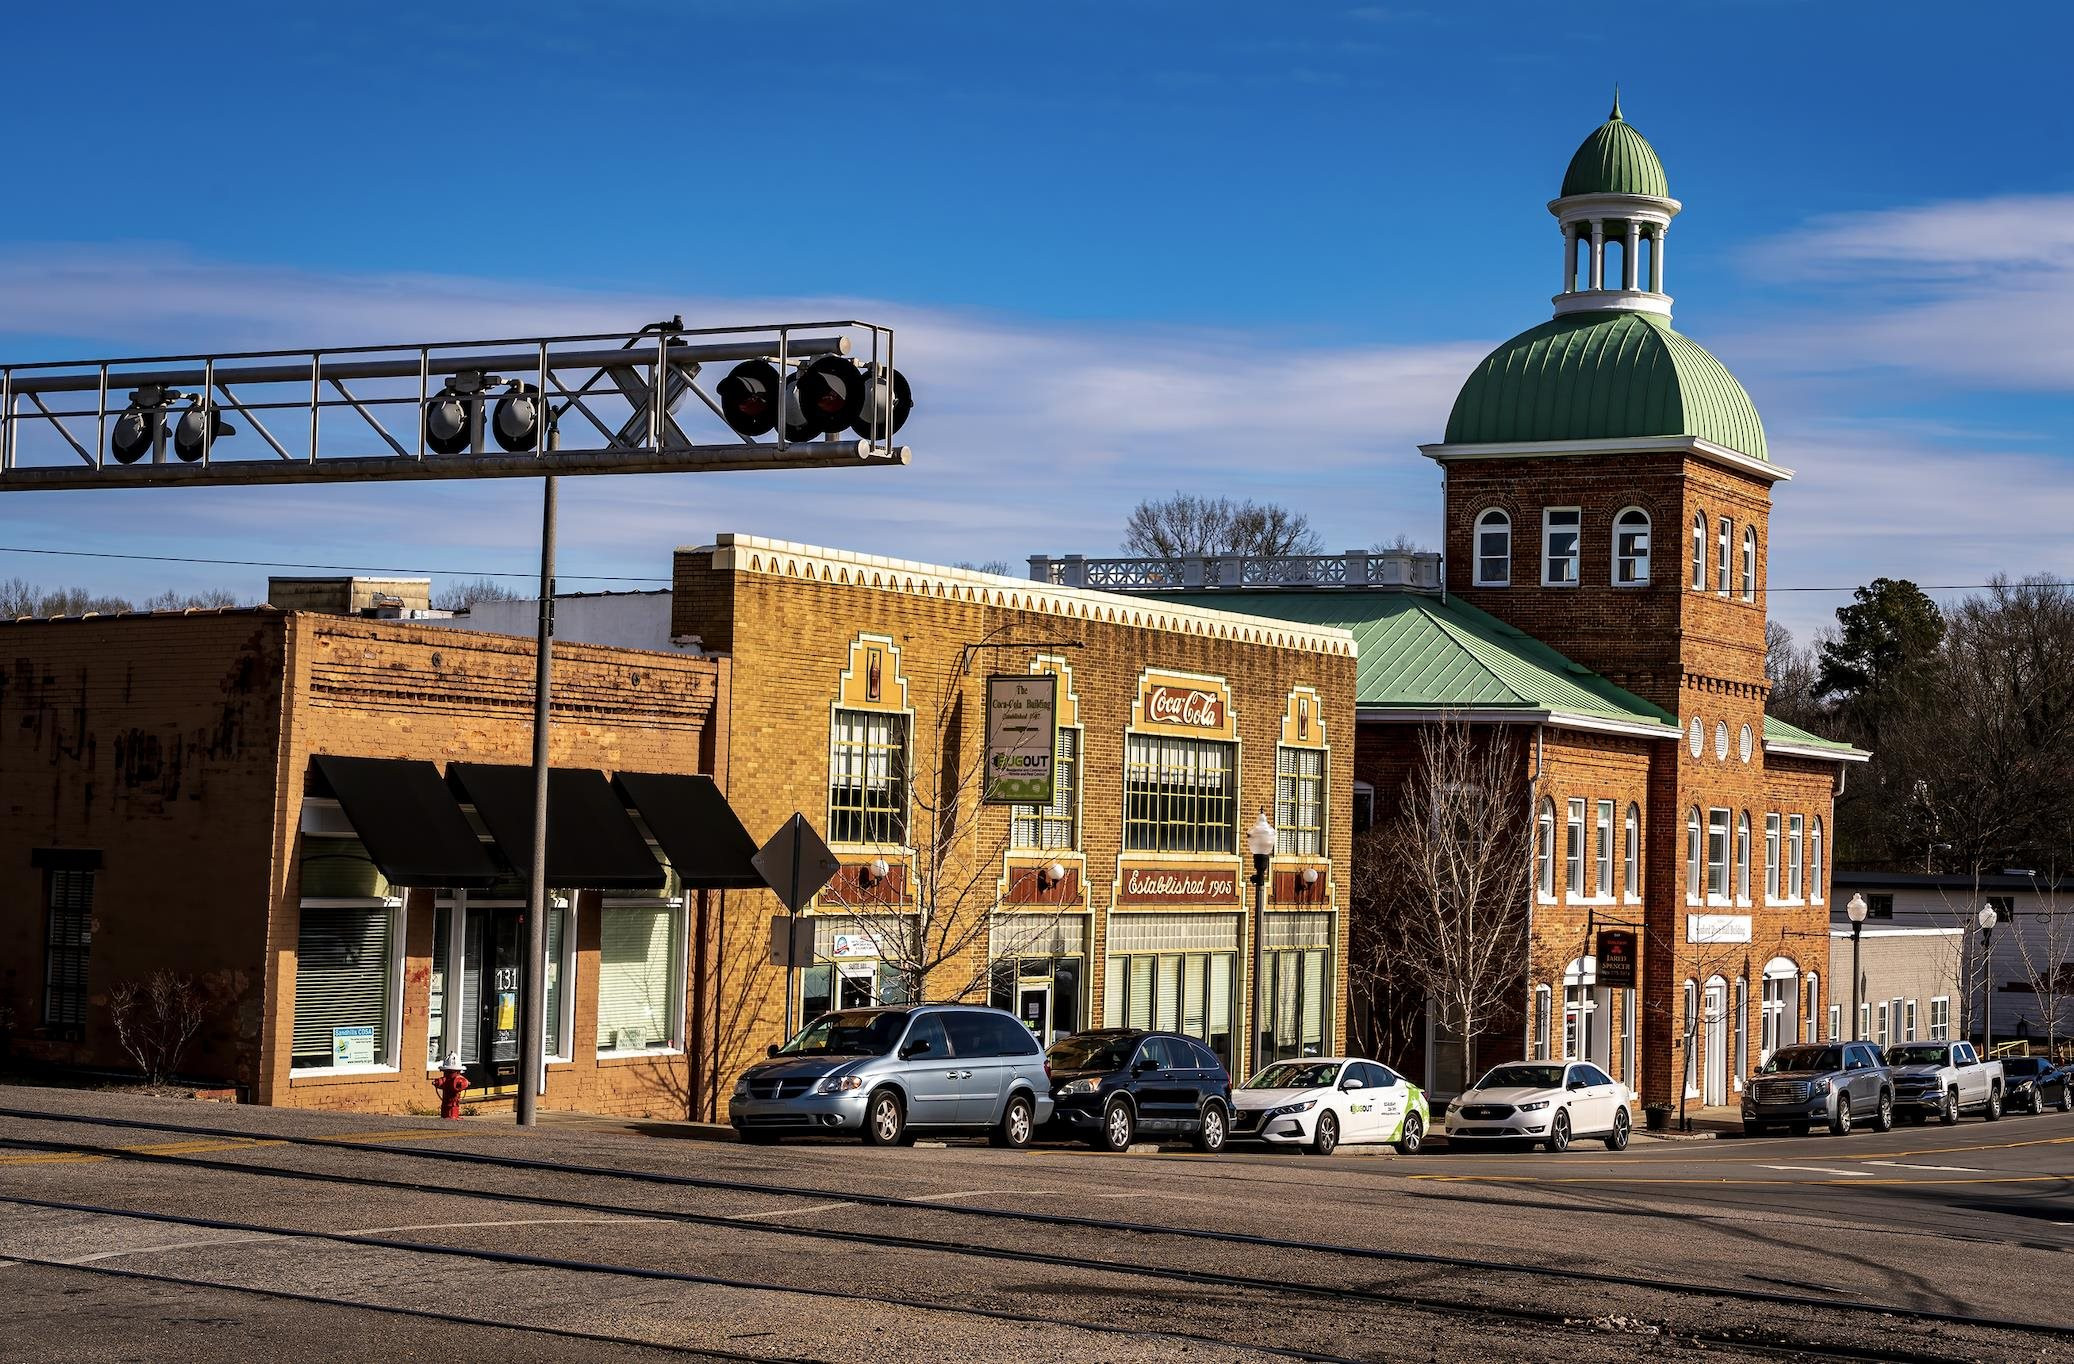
(796, 863)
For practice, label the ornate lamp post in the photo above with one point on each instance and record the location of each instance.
(1856, 910)
(1260, 841)
(1987, 919)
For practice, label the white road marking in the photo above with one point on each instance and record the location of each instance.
(249, 1239)
(965, 1193)
(1950, 1169)
(1817, 1170)
(790, 1212)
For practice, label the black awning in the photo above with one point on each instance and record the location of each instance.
(697, 828)
(407, 820)
(591, 844)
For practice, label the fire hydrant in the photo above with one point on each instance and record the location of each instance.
(450, 1084)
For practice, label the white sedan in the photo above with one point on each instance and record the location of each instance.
(1322, 1101)
(1548, 1102)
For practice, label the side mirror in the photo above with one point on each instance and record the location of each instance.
(1351, 1085)
(1578, 1084)
(1145, 1063)
(919, 1047)
(771, 1050)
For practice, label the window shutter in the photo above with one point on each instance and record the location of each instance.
(341, 979)
(636, 965)
(66, 950)
(1315, 1000)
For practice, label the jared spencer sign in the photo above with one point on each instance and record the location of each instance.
(1022, 736)
(1178, 884)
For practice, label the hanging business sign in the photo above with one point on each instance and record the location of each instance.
(1616, 959)
(1022, 738)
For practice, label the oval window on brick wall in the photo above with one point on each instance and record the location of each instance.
(1698, 737)
(1747, 744)
(1721, 740)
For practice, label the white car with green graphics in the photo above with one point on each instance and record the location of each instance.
(1324, 1102)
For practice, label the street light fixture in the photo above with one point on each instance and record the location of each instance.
(1987, 919)
(1260, 841)
(1856, 911)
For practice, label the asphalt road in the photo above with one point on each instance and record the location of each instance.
(323, 1236)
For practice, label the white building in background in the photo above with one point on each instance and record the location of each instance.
(627, 620)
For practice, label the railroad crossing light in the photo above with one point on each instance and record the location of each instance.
(886, 402)
(188, 441)
(132, 436)
(749, 397)
(516, 420)
(824, 395)
(446, 422)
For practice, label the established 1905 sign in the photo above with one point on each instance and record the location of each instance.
(1022, 737)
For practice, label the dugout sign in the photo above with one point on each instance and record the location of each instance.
(1616, 953)
(1022, 737)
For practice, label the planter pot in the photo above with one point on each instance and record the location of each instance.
(1657, 1119)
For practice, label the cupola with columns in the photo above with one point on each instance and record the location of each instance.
(1614, 195)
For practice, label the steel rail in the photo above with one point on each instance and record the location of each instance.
(1761, 1296)
(390, 1309)
(522, 1260)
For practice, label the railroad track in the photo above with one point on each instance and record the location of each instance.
(1422, 1302)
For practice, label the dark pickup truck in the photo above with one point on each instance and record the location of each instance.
(1837, 1084)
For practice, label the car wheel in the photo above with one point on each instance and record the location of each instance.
(2067, 1098)
(1118, 1127)
(1883, 1116)
(1617, 1139)
(1801, 1129)
(1018, 1120)
(1325, 1139)
(1994, 1109)
(885, 1121)
(1753, 1129)
(1840, 1121)
(1559, 1131)
(1412, 1137)
(1209, 1135)
(1948, 1111)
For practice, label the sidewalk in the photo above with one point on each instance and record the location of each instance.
(1700, 1124)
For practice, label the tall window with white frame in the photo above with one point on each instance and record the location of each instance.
(1743, 856)
(1691, 1035)
(1815, 860)
(1055, 826)
(1724, 578)
(1603, 860)
(1794, 839)
(1631, 548)
(640, 977)
(1699, 552)
(1494, 549)
(1300, 801)
(1541, 1022)
(867, 777)
(1544, 849)
(1631, 853)
(1717, 854)
(1771, 856)
(1180, 795)
(1573, 849)
(1749, 563)
(1560, 536)
(1695, 869)
(1941, 1018)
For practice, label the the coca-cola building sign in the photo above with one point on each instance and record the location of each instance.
(1188, 706)
(1178, 884)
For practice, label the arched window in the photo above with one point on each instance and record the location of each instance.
(1724, 580)
(1573, 848)
(1631, 548)
(1494, 549)
(1699, 552)
(1544, 850)
(1693, 865)
(1815, 861)
(1781, 994)
(1749, 563)
(1743, 857)
(1631, 869)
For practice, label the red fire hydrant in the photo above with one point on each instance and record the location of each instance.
(450, 1084)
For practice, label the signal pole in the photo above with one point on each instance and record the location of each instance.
(533, 1004)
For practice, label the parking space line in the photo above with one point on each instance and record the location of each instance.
(789, 1212)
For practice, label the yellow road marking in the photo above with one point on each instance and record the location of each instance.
(1856, 1182)
(50, 1158)
(1959, 1150)
(197, 1145)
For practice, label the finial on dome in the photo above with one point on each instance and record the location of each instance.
(1615, 118)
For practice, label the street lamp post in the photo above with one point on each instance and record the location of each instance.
(1987, 919)
(1260, 841)
(1856, 910)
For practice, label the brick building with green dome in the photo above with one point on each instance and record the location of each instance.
(1600, 600)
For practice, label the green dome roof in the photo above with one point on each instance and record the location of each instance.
(1604, 376)
(1616, 160)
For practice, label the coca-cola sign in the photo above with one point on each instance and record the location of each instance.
(1162, 884)
(1190, 706)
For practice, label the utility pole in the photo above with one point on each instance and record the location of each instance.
(533, 1003)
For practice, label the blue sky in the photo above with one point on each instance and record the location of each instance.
(1130, 248)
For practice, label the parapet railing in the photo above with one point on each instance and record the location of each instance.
(1408, 571)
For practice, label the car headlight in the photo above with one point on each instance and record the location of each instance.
(839, 1084)
(742, 1088)
(1286, 1109)
(1534, 1107)
(2022, 1085)
(1087, 1086)
(1825, 1086)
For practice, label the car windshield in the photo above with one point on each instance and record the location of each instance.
(1931, 1055)
(1523, 1077)
(1296, 1075)
(1091, 1053)
(2023, 1065)
(1802, 1058)
(854, 1032)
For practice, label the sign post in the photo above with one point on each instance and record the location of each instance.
(795, 864)
(1022, 738)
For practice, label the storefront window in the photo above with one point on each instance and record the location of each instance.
(344, 978)
(1180, 795)
(1175, 971)
(867, 778)
(640, 985)
(1054, 826)
(1300, 801)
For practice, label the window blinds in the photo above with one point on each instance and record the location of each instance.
(341, 979)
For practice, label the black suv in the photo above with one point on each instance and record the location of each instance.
(1113, 1083)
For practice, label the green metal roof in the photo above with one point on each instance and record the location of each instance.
(1777, 731)
(1418, 652)
(1616, 160)
(1603, 375)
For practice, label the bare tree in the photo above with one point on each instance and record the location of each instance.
(155, 1019)
(464, 593)
(1185, 524)
(997, 566)
(1400, 543)
(2045, 957)
(1452, 876)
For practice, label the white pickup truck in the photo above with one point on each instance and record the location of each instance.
(1945, 1079)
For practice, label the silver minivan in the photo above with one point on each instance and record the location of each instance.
(886, 1073)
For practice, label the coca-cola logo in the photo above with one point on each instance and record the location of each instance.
(1179, 883)
(1185, 706)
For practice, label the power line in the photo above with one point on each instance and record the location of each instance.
(329, 568)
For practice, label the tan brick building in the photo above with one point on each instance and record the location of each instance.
(1600, 597)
